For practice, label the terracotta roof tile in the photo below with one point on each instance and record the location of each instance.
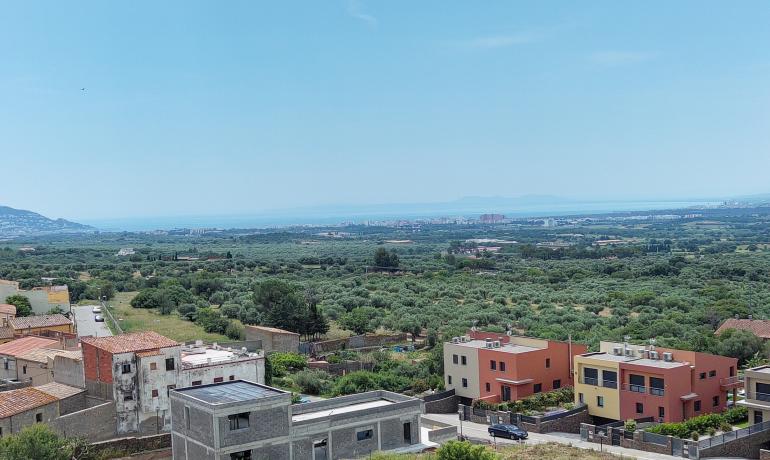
(26, 344)
(147, 354)
(17, 401)
(59, 390)
(27, 322)
(758, 327)
(41, 355)
(6, 332)
(132, 342)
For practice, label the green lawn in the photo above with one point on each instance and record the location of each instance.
(172, 326)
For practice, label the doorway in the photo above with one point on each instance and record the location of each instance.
(408, 432)
(321, 450)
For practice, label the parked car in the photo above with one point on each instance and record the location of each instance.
(97, 309)
(507, 431)
(99, 318)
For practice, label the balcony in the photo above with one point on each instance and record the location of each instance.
(599, 383)
(644, 390)
(731, 383)
(758, 396)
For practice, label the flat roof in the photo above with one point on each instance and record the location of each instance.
(230, 392)
(608, 357)
(659, 363)
(341, 410)
(761, 369)
(200, 356)
(504, 348)
(663, 364)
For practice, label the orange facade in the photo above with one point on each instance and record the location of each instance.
(522, 366)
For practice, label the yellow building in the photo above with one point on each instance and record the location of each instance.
(596, 383)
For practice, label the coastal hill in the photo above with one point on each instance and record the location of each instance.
(18, 222)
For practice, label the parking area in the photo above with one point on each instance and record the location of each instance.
(87, 325)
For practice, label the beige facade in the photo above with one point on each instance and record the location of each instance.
(757, 384)
(461, 370)
(599, 393)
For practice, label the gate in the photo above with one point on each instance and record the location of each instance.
(615, 436)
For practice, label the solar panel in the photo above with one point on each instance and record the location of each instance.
(229, 392)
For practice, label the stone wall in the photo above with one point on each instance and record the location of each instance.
(446, 405)
(568, 424)
(341, 368)
(764, 454)
(73, 404)
(17, 422)
(745, 447)
(131, 445)
(96, 423)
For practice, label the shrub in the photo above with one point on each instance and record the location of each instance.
(313, 381)
(694, 435)
(284, 362)
(736, 415)
(630, 425)
(463, 450)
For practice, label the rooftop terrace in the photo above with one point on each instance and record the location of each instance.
(230, 392)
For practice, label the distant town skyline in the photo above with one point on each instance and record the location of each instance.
(191, 108)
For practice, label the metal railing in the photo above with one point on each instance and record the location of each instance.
(654, 438)
(733, 435)
(758, 396)
(643, 389)
(730, 380)
(599, 383)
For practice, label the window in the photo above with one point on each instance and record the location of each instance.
(364, 435)
(639, 408)
(153, 366)
(449, 379)
(218, 379)
(636, 383)
(187, 417)
(661, 411)
(696, 406)
(39, 417)
(493, 365)
(24, 369)
(196, 383)
(590, 376)
(488, 387)
(126, 368)
(757, 417)
(154, 393)
(169, 364)
(581, 398)
(547, 363)
(502, 366)
(715, 401)
(128, 397)
(455, 359)
(537, 388)
(702, 375)
(600, 401)
(656, 386)
(609, 379)
(238, 421)
(5, 363)
(463, 360)
(465, 383)
(232, 377)
(169, 388)
(244, 455)
(556, 384)
(712, 373)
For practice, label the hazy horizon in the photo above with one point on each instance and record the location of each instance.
(194, 108)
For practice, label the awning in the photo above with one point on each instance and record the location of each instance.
(689, 396)
(514, 382)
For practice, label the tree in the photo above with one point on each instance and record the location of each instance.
(23, 307)
(740, 344)
(40, 442)
(358, 320)
(385, 259)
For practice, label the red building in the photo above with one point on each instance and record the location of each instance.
(498, 367)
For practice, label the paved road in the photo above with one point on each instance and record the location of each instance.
(477, 430)
(86, 325)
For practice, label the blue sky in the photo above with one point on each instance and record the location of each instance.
(236, 107)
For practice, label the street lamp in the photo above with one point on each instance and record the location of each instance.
(460, 413)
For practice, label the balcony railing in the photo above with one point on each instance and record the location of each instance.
(758, 396)
(643, 389)
(599, 383)
(733, 381)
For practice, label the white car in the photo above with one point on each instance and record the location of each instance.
(97, 309)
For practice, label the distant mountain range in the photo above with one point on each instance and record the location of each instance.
(18, 222)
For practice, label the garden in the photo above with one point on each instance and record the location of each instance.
(707, 424)
(538, 404)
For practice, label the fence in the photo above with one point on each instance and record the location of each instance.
(655, 438)
(733, 435)
(107, 312)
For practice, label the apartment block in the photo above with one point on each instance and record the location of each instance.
(757, 382)
(499, 367)
(138, 370)
(624, 381)
(244, 420)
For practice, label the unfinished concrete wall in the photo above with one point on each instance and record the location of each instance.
(68, 371)
(96, 423)
(252, 370)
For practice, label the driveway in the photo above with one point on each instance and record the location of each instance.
(84, 319)
(479, 431)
